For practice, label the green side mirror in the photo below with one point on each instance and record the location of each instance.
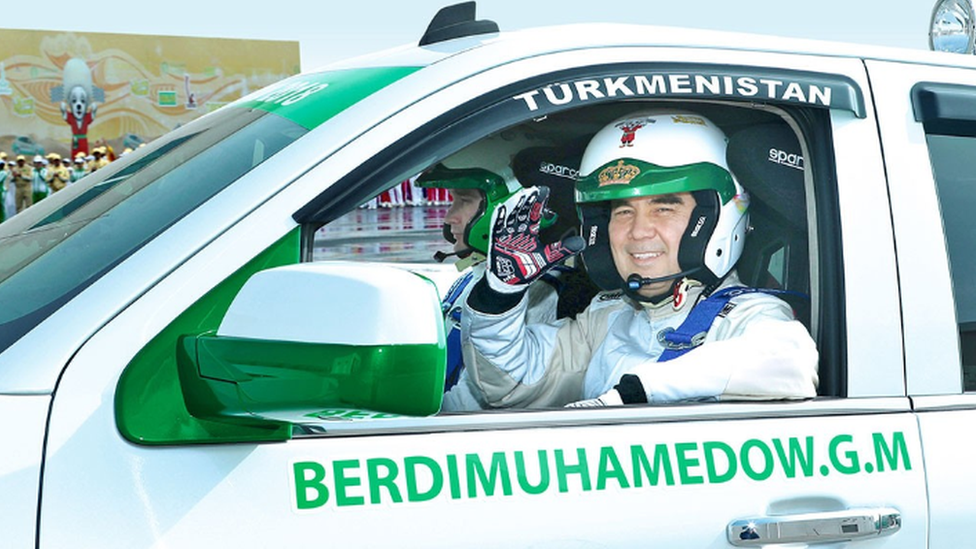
(303, 338)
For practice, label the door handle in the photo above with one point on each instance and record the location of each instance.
(828, 527)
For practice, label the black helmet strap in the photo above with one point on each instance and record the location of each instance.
(597, 257)
(701, 226)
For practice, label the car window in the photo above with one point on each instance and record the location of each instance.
(400, 225)
(954, 164)
(404, 223)
(60, 247)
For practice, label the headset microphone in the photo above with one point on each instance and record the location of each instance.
(441, 256)
(635, 281)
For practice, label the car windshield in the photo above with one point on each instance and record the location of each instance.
(59, 247)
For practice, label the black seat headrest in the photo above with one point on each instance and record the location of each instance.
(558, 169)
(768, 162)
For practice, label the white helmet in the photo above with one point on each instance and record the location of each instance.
(662, 152)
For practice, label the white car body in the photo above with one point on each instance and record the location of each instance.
(888, 436)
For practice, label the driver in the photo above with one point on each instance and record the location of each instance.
(665, 222)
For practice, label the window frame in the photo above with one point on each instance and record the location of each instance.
(949, 111)
(498, 109)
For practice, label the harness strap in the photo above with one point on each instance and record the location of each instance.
(452, 318)
(691, 333)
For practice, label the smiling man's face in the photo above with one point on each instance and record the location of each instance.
(645, 233)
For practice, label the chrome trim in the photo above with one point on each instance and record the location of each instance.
(829, 527)
(935, 403)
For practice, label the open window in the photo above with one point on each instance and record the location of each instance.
(793, 244)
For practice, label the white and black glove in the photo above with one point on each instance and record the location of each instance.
(610, 398)
(516, 255)
(630, 390)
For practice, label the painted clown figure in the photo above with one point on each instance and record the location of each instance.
(77, 96)
(629, 127)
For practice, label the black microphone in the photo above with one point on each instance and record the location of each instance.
(440, 256)
(636, 282)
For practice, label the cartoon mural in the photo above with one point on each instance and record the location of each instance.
(61, 91)
(81, 102)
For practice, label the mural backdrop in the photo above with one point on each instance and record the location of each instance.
(63, 92)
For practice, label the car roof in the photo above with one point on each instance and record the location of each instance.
(552, 39)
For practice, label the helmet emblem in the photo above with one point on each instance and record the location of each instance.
(688, 119)
(620, 174)
(630, 127)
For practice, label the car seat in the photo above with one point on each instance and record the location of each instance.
(767, 160)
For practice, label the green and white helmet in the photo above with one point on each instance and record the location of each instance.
(662, 152)
(487, 167)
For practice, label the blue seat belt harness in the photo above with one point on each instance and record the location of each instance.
(689, 335)
(452, 318)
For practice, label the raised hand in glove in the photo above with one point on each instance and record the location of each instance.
(516, 255)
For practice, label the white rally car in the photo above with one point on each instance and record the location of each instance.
(176, 370)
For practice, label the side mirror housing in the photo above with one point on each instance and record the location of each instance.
(303, 338)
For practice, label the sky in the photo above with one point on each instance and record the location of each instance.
(331, 30)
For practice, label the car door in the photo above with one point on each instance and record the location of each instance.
(928, 133)
(127, 466)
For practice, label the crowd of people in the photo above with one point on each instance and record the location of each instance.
(408, 193)
(24, 181)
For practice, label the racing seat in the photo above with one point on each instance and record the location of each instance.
(767, 161)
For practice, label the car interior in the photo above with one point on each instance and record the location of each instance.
(763, 152)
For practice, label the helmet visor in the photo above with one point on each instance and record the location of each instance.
(629, 178)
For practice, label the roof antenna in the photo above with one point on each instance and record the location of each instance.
(456, 21)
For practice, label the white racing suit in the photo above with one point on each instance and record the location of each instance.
(754, 350)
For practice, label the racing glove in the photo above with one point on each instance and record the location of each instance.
(516, 255)
(630, 390)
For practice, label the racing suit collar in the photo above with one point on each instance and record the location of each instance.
(474, 258)
(684, 293)
(689, 291)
